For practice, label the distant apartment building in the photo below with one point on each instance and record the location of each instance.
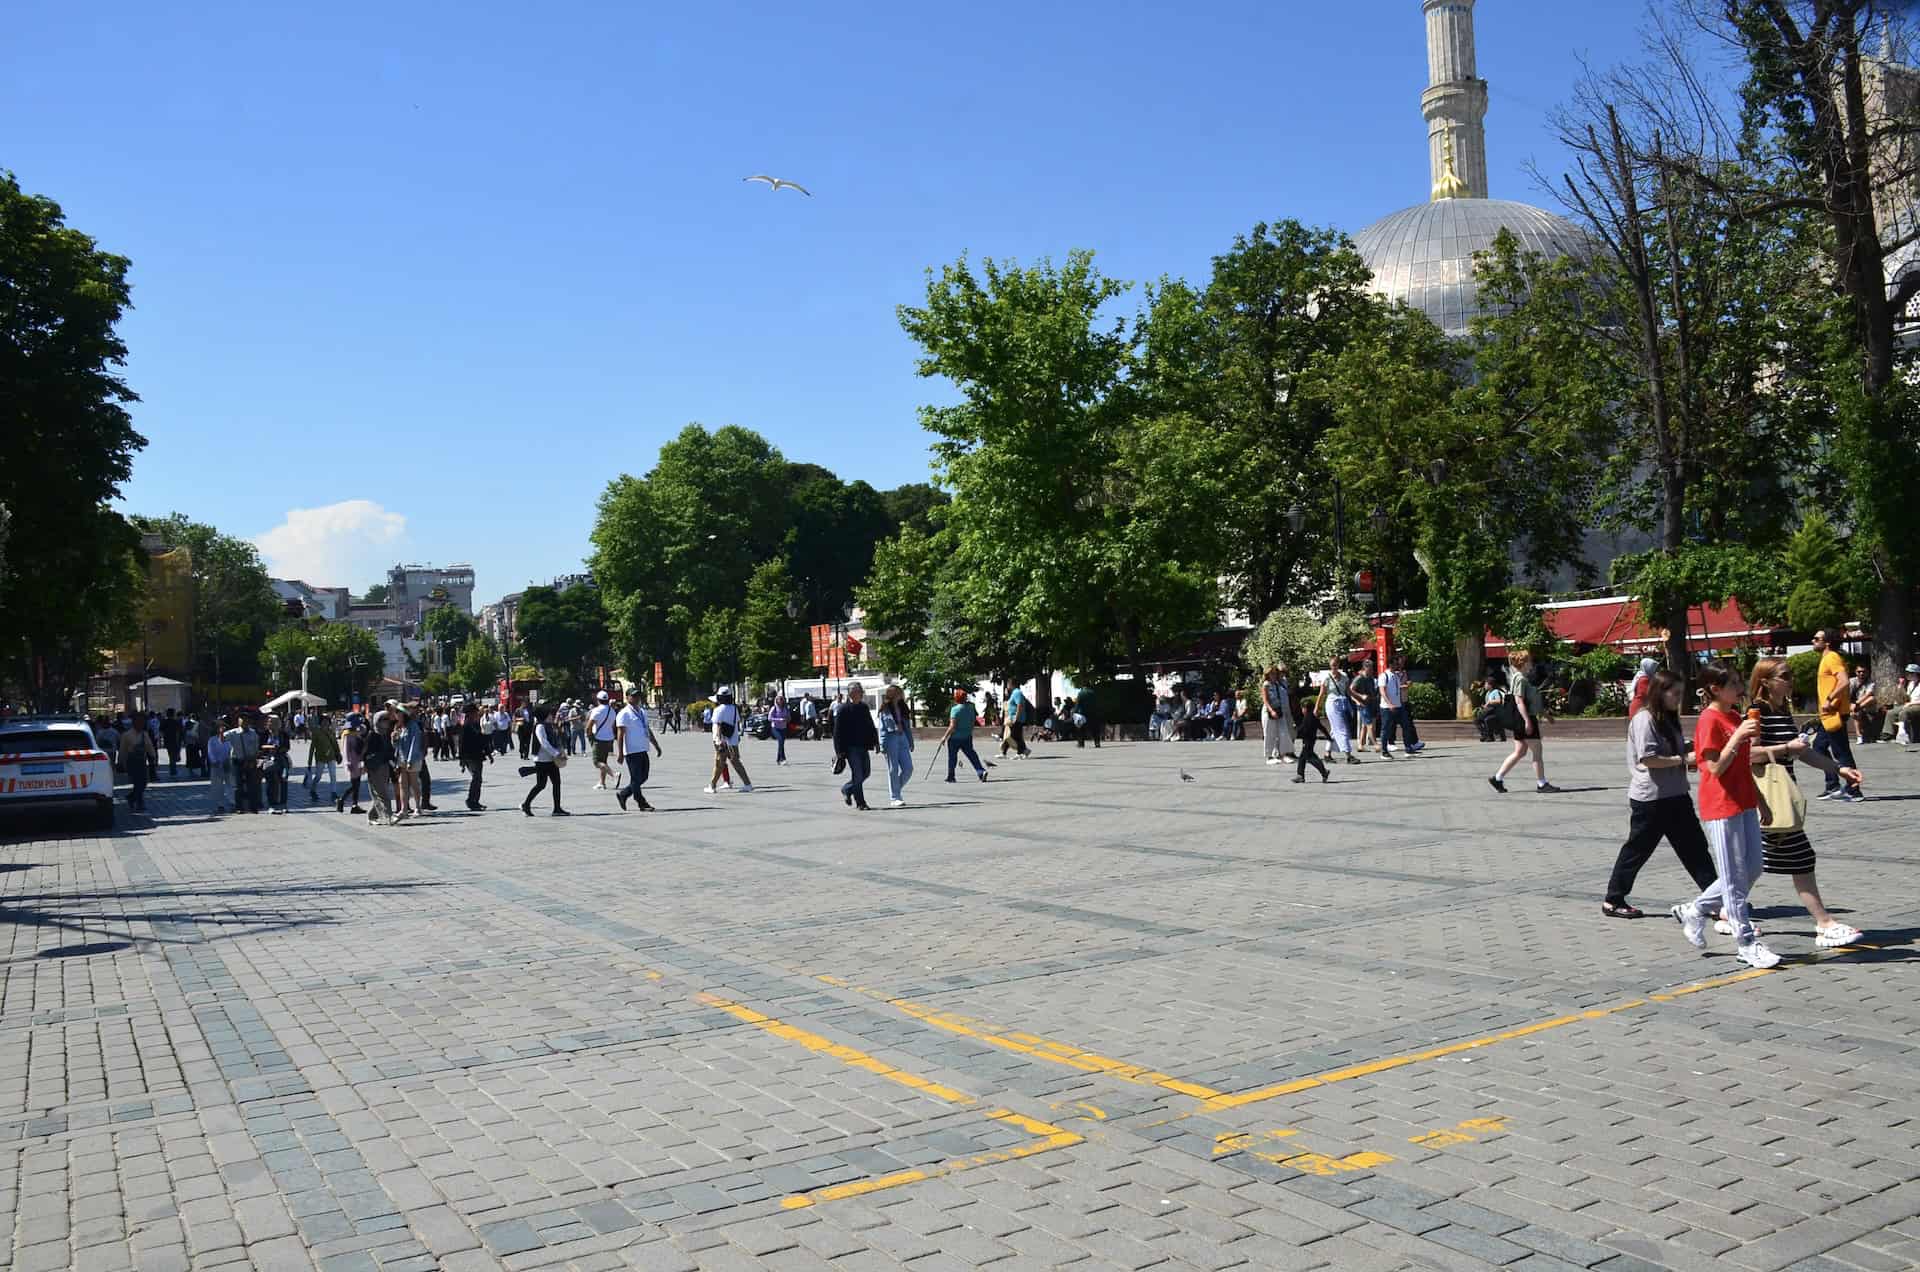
(500, 620)
(330, 603)
(412, 590)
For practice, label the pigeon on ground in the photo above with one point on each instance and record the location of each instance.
(1185, 776)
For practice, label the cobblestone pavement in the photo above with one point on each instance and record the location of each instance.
(1087, 1014)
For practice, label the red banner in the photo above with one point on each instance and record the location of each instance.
(659, 675)
(837, 662)
(822, 634)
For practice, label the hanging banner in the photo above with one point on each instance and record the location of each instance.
(659, 675)
(822, 634)
(837, 662)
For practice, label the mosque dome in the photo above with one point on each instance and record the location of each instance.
(1423, 255)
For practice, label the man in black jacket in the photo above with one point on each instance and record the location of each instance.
(473, 755)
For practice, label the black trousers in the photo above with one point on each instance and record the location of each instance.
(544, 773)
(1308, 735)
(473, 787)
(1674, 820)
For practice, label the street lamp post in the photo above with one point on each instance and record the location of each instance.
(1297, 521)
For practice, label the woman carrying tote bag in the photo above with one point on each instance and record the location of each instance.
(1784, 845)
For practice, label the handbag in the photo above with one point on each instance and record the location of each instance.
(1785, 804)
(839, 764)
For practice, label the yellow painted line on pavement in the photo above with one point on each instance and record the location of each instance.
(826, 1046)
(1027, 1044)
(1047, 1136)
(1387, 1063)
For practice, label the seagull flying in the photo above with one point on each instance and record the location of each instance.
(776, 184)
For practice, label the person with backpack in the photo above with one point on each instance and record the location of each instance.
(1019, 715)
(473, 756)
(726, 746)
(323, 756)
(601, 724)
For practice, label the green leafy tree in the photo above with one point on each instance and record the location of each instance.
(917, 504)
(375, 595)
(563, 630)
(713, 646)
(449, 627)
(898, 595)
(347, 659)
(70, 562)
(437, 684)
(773, 643)
(834, 527)
(234, 604)
(1302, 640)
(478, 666)
(1045, 539)
(1235, 410)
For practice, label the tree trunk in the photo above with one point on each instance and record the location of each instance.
(1891, 643)
(1470, 653)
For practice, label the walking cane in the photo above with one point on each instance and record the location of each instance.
(935, 761)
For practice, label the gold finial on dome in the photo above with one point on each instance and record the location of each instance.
(1449, 186)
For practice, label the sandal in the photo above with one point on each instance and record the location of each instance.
(1622, 911)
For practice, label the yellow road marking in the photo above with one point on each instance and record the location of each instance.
(826, 1046)
(1049, 1137)
(1048, 1049)
(1467, 1132)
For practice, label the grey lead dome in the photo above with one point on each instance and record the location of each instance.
(1423, 255)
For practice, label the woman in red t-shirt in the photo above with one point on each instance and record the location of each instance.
(1729, 813)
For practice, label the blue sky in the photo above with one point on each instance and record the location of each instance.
(413, 281)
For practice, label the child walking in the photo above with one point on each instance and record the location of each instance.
(1306, 723)
(1729, 813)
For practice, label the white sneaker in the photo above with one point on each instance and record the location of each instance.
(1271, 760)
(1724, 928)
(1692, 925)
(746, 788)
(706, 790)
(1835, 934)
(896, 803)
(1757, 955)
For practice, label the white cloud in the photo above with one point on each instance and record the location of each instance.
(347, 544)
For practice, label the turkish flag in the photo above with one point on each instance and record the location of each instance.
(853, 646)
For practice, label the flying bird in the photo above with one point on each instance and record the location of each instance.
(776, 184)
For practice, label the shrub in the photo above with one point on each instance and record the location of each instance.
(1602, 665)
(1429, 701)
(1611, 700)
(1805, 669)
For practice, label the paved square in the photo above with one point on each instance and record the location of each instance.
(1087, 1015)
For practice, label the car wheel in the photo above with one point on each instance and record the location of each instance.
(103, 815)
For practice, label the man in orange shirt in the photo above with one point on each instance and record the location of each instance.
(1835, 706)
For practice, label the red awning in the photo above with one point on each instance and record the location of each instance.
(1617, 621)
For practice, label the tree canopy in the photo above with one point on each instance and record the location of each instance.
(69, 564)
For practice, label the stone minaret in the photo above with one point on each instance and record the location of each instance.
(1455, 102)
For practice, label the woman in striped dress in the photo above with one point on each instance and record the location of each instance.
(1790, 852)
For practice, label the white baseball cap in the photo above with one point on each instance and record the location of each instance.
(603, 695)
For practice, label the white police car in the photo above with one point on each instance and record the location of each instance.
(54, 762)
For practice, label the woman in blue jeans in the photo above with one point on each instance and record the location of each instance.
(855, 739)
(896, 739)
